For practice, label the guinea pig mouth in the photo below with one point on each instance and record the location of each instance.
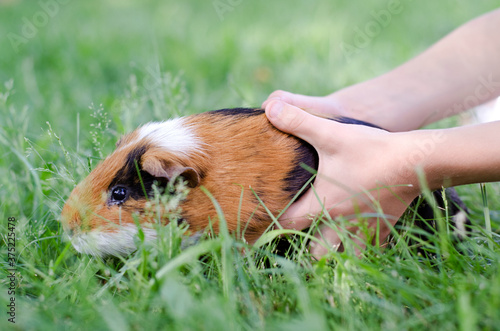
(116, 242)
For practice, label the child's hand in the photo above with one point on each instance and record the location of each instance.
(359, 167)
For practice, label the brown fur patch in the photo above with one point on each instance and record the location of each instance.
(243, 153)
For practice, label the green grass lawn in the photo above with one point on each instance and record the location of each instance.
(75, 75)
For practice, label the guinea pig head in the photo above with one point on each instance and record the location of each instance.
(101, 213)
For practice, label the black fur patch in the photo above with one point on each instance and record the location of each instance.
(298, 176)
(129, 170)
(247, 112)
(128, 176)
(307, 155)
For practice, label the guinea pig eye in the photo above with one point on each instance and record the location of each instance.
(119, 194)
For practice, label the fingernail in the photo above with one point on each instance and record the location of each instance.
(264, 105)
(276, 109)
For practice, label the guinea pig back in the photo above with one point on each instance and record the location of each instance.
(230, 152)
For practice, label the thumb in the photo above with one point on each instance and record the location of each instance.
(297, 122)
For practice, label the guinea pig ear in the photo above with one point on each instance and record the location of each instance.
(160, 168)
(189, 174)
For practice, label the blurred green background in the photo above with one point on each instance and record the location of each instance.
(75, 75)
(228, 53)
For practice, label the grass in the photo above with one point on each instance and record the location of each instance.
(95, 70)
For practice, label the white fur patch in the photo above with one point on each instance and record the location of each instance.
(116, 243)
(174, 135)
(460, 219)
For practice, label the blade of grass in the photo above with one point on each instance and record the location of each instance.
(486, 212)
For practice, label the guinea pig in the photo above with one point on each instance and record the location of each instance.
(236, 154)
